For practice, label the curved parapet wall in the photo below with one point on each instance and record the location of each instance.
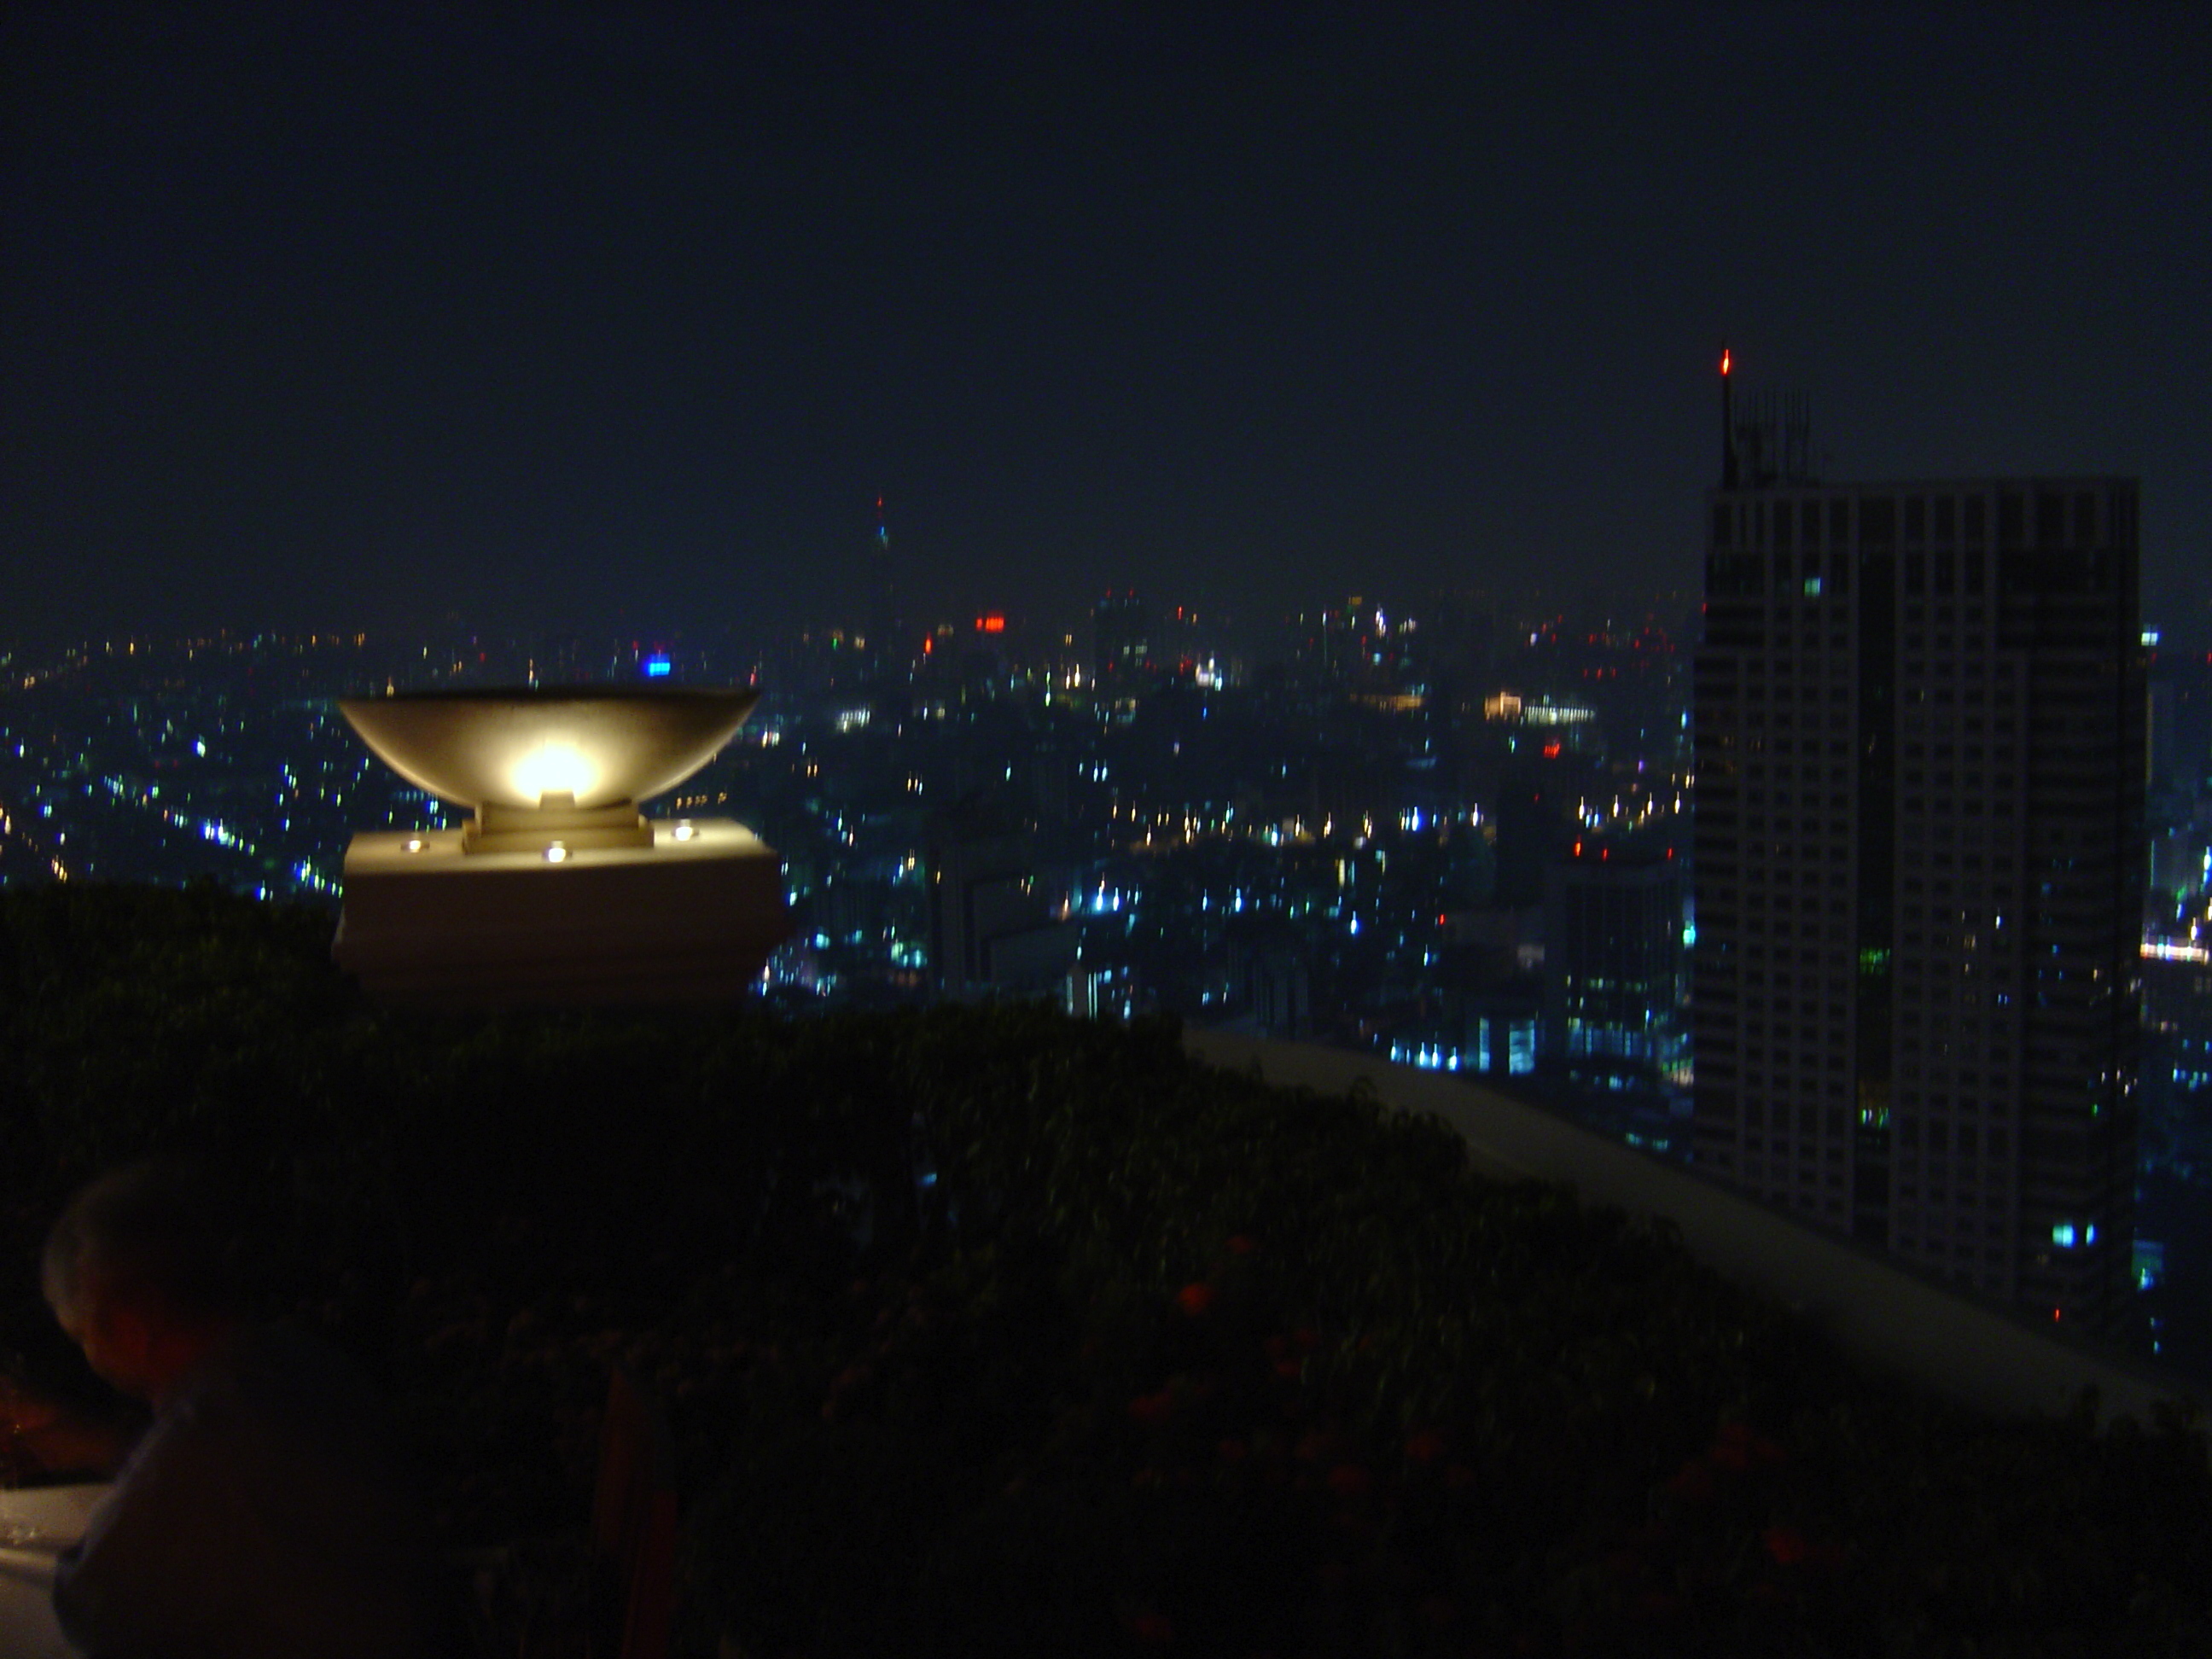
(1876, 1310)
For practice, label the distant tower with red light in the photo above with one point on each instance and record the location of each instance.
(889, 631)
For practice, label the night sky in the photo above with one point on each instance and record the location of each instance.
(360, 314)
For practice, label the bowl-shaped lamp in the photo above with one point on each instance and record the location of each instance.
(534, 759)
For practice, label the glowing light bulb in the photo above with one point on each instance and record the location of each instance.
(555, 768)
(556, 853)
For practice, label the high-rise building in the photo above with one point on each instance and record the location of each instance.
(1122, 648)
(892, 640)
(1616, 967)
(1919, 865)
(993, 929)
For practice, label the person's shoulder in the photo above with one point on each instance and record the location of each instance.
(284, 1347)
(281, 1380)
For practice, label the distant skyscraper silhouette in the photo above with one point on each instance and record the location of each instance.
(891, 649)
(1615, 966)
(1919, 865)
(1121, 651)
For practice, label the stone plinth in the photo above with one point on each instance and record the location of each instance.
(688, 919)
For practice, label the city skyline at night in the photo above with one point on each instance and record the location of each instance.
(1025, 767)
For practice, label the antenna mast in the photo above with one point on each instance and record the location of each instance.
(1730, 478)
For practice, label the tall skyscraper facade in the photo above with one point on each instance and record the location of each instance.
(1920, 715)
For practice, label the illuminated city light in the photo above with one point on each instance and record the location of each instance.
(2173, 950)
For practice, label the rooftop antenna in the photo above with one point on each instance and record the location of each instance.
(1794, 438)
(1730, 478)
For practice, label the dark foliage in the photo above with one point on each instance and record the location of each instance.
(988, 1331)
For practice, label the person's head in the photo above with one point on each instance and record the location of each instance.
(139, 1272)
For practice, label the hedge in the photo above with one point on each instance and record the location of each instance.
(986, 1330)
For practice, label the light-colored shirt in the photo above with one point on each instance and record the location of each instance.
(264, 1516)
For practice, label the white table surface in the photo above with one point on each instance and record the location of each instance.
(55, 1515)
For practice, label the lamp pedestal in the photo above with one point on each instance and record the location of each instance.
(689, 917)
